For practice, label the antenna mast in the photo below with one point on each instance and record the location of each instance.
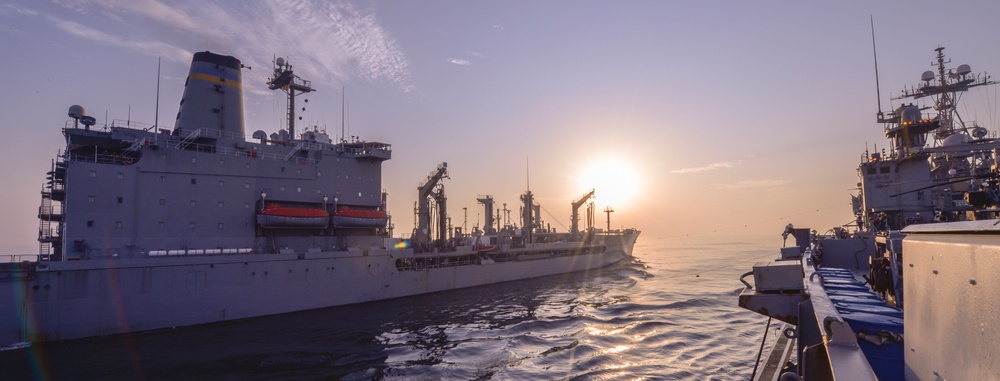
(283, 78)
(343, 112)
(527, 174)
(878, 92)
(156, 117)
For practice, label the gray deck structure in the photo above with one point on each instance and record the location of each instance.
(145, 228)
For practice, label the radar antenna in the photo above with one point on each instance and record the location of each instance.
(286, 80)
(945, 87)
(878, 92)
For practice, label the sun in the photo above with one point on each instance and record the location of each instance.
(615, 181)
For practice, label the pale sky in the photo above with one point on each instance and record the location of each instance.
(688, 117)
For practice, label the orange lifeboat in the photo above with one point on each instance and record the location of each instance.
(347, 217)
(276, 216)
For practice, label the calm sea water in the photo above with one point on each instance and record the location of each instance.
(669, 314)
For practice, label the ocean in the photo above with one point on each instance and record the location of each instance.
(669, 314)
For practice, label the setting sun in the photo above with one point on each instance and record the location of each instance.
(615, 181)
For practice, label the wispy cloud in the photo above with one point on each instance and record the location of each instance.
(745, 184)
(148, 47)
(14, 8)
(457, 61)
(709, 167)
(327, 41)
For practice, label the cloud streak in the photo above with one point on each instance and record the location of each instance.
(327, 41)
(709, 167)
(747, 184)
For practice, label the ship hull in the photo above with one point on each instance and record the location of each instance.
(79, 299)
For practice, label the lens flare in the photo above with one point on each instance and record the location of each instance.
(616, 182)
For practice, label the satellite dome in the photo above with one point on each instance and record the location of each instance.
(76, 111)
(910, 114)
(927, 76)
(280, 61)
(963, 69)
(956, 139)
(259, 134)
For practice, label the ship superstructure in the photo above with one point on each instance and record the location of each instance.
(845, 296)
(201, 188)
(148, 227)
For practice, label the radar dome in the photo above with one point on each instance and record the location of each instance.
(280, 61)
(910, 114)
(963, 69)
(76, 111)
(927, 76)
(956, 139)
(260, 134)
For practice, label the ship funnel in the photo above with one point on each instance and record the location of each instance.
(213, 96)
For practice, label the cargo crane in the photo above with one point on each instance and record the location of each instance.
(608, 211)
(442, 209)
(537, 224)
(487, 202)
(527, 222)
(575, 217)
(425, 191)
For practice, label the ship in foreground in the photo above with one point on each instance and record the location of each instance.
(926, 228)
(143, 228)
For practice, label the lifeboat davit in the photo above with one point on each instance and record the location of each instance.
(277, 216)
(347, 217)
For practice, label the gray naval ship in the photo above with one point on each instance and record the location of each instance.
(926, 227)
(149, 228)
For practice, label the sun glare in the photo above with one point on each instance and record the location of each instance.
(616, 182)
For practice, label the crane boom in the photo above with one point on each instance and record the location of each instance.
(487, 202)
(425, 191)
(575, 218)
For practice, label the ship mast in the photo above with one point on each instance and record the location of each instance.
(284, 79)
(945, 91)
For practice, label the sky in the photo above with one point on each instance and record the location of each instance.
(689, 118)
